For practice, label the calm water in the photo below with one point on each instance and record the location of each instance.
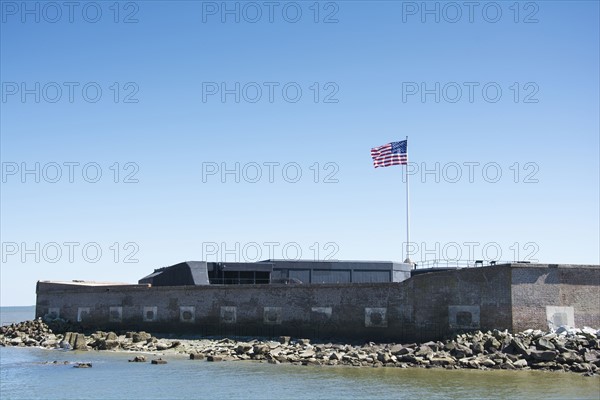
(23, 375)
(8, 315)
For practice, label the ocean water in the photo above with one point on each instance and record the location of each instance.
(28, 373)
(9, 315)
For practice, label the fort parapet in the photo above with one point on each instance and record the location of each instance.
(426, 306)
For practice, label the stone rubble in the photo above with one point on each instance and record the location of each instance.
(565, 349)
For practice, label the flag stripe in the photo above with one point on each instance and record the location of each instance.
(390, 154)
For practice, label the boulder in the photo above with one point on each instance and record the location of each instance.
(443, 361)
(111, 344)
(395, 349)
(517, 347)
(384, 357)
(477, 348)
(487, 363)
(544, 343)
(79, 342)
(520, 363)
(16, 341)
(284, 339)
(161, 346)
(540, 355)
(492, 344)
(404, 351)
(308, 353)
(196, 356)
(260, 349)
(243, 348)
(423, 351)
(591, 356)
(140, 337)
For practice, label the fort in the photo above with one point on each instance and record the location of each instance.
(355, 300)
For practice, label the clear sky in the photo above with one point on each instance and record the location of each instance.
(144, 134)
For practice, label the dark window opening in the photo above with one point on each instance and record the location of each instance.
(464, 318)
(224, 277)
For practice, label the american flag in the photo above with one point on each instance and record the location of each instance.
(390, 154)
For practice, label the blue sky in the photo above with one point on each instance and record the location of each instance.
(169, 128)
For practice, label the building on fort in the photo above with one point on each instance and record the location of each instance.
(361, 300)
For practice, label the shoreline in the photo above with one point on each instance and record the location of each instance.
(566, 349)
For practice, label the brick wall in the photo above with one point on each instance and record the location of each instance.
(424, 307)
(544, 295)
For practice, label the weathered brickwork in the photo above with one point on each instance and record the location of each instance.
(536, 287)
(426, 306)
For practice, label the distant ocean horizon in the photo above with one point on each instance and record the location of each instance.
(13, 314)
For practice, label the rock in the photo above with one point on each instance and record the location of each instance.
(111, 336)
(545, 344)
(395, 349)
(65, 345)
(70, 338)
(16, 341)
(51, 343)
(443, 361)
(162, 346)
(520, 363)
(243, 348)
(111, 344)
(214, 358)
(140, 337)
(492, 344)
(284, 340)
(517, 347)
(260, 349)
(423, 351)
(83, 365)
(307, 353)
(196, 356)
(540, 355)
(384, 357)
(138, 359)
(477, 348)
(159, 361)
(461, 351)
(80, 342)
(487, 363)
(303, 342)
(580, 367)
(591, 356)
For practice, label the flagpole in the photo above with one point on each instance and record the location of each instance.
(408, 261)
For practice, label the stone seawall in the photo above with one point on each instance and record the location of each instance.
(425, 307)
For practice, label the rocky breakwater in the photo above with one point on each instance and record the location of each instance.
(566, 349)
